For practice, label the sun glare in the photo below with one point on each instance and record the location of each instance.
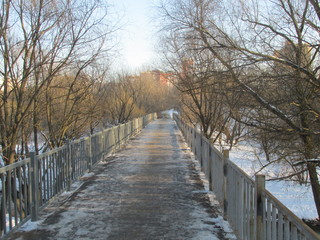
(137, 58)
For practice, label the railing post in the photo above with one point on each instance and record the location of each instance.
(195, 143)
(69, 168)
(259, 202)
(89, 153)
(34, 187)
(224, 184)
(191, 139)
(102, 146)
(113, 143)
(210, 166)
(201, 153)
(210, 170)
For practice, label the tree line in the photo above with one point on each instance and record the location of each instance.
(55, 80)
(250, 67)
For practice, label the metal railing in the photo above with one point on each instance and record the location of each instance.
(28, 185)
(253, 212)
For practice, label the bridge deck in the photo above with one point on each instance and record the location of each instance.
(150, 189)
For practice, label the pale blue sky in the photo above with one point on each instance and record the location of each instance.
(136, 38)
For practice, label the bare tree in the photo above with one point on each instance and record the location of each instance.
(253, 41)
(205, 91)
(129, 96)
(153, 96)
(69, 104)
(38, 39)
(120, 99)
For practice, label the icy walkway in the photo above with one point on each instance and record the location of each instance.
(151, 189)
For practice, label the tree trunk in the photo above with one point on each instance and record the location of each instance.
(312, 167)
(315, 185)
(9, 154)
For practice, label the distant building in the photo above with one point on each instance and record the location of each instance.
(150, 75)
(133, 78)
(166, 79)
(162, 78)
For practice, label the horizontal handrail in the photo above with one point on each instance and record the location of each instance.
(253, 212)
(14, 165)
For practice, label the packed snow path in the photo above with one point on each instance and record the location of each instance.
(150, 189)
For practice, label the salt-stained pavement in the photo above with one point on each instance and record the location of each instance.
(150, 189)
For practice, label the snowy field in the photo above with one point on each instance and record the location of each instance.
(298, 198)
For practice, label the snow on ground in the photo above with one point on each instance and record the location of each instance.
(214, 202)
(97, 209)
(30, 226)
(88, 175)
(74, 187)
(298, 198)
(170, 112)
(219, 221)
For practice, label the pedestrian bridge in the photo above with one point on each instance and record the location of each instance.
(151, 187)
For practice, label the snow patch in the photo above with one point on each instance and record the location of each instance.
(30, 226)
(298, 198)
(219, 222)
(88, 175)
(74, 187)
(170, 112)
